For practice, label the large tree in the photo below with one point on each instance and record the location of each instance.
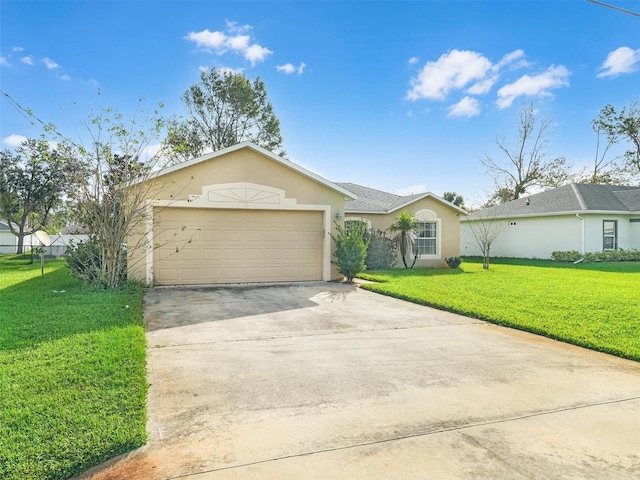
(454, 198)
(223, 109)
(33, 180)
(630, 129)
(523, 163)
(607, 166)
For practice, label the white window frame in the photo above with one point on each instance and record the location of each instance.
(356, 219)
(614, 236)
(429, 216)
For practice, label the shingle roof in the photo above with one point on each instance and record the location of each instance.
(371, 200)
(575, 197)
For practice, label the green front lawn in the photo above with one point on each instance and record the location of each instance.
(595, 305)
(72, 372)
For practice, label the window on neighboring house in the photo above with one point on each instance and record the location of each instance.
(609, 234)
(426, 239)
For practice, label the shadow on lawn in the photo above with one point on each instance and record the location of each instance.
(39, 309)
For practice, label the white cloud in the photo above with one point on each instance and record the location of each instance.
(453, 70)
(224, 70)
(467, 107)
(413, 60)
(289, 68)
(621, 60)
(509, 58)
(235, 27)
(64, 77)
(221, 42)
(411, 190)
(3, 61)
(256, 53)
(17, 49)
(207, 40)
(483, 86)
(14, 140)
(238, 42)
(51, 65)
(28, 60)
(533, 85)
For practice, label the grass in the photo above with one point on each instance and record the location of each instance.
(594, 305)
(72, 372)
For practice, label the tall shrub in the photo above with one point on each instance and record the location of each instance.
(351, 249)
(381, 252)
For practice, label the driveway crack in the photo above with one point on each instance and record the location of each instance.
(412, 435)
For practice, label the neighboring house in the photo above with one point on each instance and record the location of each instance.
(439, 233)
(582, 217)
(8, 241)
(237, 215)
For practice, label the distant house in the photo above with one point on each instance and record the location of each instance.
(8, 241)
(582, 217)
(439, 233)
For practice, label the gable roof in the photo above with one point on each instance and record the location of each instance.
(4, 225)
(370, 200)
(276, 158)
(569, 199)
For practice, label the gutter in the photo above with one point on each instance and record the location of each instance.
(582, 243)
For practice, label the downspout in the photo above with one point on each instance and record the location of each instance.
(582, 242)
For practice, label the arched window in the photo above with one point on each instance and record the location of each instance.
(428, 236)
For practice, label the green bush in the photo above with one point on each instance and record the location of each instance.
(566, 256)
(351, 249)
(85, 262)
(619, 255)
(382, 251)
(453, 262)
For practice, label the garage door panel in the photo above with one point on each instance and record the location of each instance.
(227, 246)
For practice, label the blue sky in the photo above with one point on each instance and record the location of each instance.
(401, 96)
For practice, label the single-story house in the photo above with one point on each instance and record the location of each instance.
(244, 214)
(582, 217)
(439, 234)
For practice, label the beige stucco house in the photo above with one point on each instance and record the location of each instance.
(439, 233)
(244, 214)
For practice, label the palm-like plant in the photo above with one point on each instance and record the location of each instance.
(403, 227)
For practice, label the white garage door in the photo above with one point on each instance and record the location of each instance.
(201, 246)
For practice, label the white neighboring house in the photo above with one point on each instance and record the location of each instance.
(8, 241)
(582, 217)
(59, 242)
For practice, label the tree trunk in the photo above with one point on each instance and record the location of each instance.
(485, 262)
(20, 248)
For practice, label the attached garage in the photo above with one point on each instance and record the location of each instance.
(201, 246)
(239, 215)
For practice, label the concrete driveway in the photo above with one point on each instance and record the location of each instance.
(327, 381)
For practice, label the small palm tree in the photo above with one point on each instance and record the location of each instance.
(404, 226)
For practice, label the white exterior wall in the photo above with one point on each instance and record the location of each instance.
(528, 237)
(628, 233)
(537, 237)
(8, 242)
(634, 235)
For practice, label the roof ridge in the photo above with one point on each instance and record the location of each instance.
(583, 205)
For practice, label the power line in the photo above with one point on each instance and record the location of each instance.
(33, 119)
(613, 7)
